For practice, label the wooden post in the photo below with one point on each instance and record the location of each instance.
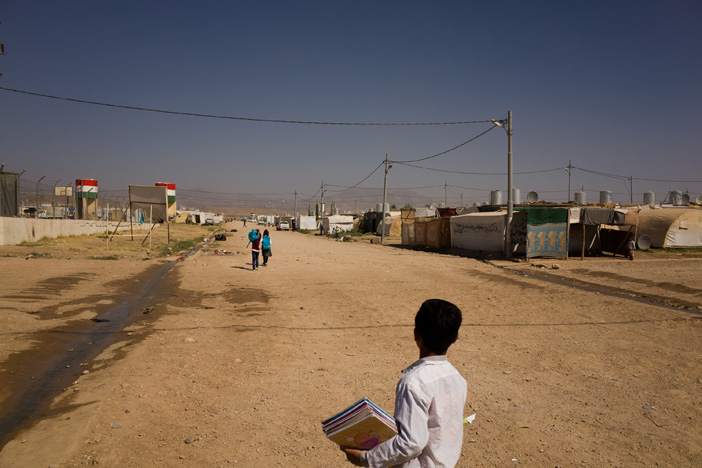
(582, 255)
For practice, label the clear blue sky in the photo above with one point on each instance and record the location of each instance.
(612, 86)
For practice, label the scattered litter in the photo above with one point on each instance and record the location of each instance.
(148, 310)
(523, 427)
(115, 425)
(649, 407)
(469, 419)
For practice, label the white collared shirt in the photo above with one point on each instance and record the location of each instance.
(429, 403)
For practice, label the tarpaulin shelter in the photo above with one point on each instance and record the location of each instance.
(439, 233)
(425, 213)
(547, 232)
(393, 226)
(478, 231)
(671, 227)
(343, 223)
(408, 233)
(420, 231)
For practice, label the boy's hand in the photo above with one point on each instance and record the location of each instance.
(352, 455)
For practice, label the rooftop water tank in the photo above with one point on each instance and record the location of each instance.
(496, 197)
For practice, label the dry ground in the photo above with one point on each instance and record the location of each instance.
(237, 368)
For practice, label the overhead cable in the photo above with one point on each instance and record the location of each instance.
(477, 173)
(448, 150)
(228, 117)
(354, 186)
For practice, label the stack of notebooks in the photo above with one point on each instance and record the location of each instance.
(362, 425)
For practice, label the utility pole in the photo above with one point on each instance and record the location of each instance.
(385, 199)
(569, 170)
(461, 200)
(510, 196)
(36, 213)
(53, 202)
(295, 205)
(445, 192)
(321, 208)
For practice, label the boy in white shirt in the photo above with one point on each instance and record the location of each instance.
(429, 399)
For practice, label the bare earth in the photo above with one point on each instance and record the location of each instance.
(232, 367)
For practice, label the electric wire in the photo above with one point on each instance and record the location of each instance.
(228, 117)
(366, 178)
(448, 150)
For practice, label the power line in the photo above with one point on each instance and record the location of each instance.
(477, 173)
(249, 119)
(448, 150)
(354, 186)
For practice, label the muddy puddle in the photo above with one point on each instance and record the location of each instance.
(34, 377)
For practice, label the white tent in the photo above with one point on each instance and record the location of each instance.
(305, 222)
(344, 223)
(479, 231)
(671, 227)
(425, 213)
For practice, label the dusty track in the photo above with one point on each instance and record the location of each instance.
(239, 367)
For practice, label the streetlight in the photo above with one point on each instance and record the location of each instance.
(506, 125)
(36, 213)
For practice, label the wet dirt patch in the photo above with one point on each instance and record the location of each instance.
(33, 377)
(652, 299)
(679, 288)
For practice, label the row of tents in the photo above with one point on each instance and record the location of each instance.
(557, 232)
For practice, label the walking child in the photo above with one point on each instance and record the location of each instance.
(266, 247)
(255, 240)
(429, 399)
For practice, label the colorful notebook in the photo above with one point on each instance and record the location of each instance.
(362, 425)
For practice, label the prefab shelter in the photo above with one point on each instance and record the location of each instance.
(479, 231)
(343, 223)
(671, 227)
(305, 222)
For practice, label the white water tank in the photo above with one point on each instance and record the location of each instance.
(649, 198)
(580, 198)
(606, 196)
(516, 196)
(496, 197)
(676, 197)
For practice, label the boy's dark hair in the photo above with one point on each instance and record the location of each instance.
(437, 322)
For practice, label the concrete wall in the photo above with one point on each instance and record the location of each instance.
(14, 231)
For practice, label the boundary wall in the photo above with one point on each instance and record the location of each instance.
(14, 231)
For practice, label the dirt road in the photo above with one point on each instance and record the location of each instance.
(238, 368)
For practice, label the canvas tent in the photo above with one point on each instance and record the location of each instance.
(305, 222)
(344, 223)
(671, 227)
(479, 231)
(393, 226)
